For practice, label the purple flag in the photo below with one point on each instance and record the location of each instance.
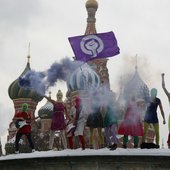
(92, 46)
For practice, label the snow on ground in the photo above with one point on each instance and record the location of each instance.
(89, 152)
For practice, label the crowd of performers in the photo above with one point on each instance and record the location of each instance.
(101, 114)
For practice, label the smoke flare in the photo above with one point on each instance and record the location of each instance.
(41, 81)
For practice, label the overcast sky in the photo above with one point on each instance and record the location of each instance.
(141, 27)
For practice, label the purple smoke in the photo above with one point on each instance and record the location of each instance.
(41, 81)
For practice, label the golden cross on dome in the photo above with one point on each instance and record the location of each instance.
(28, 53)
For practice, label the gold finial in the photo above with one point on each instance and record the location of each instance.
(28, 53)
(92, 4)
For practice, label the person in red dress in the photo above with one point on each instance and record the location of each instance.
(23, 119)
(58, 119)
(132, 124)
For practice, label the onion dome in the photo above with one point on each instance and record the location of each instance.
(136, 87)
(83, 78)
(15, 91)
(91, 4)
(46, 111)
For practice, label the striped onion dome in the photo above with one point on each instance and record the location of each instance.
(83, 78)
(15, 91)
(46, 111)
(136, 87)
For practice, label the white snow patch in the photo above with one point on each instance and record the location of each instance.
(89, 152)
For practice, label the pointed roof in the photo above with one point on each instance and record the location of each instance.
(15, 91)
(136, 87)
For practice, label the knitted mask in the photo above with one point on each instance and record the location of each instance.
(24, 107)
(153, 93)
(59, 95)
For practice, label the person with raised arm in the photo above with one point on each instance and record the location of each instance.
(58, 119)
(168, 95)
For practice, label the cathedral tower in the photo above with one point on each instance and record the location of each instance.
(99, 65)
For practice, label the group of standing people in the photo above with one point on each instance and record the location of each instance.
(100, 117)
(134, 126)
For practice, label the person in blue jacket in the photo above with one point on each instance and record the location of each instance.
(151, 116)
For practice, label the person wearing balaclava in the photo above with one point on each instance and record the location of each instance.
(131, 124)
(58, 119)
(79, 123)
(168, 95)
(151, 116)
(22, 120)
(110, 122)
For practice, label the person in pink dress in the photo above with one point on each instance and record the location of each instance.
(58, 119)
(132, 124)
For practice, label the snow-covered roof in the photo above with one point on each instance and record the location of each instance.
(89, 152)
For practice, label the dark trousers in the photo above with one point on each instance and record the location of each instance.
(18, 137)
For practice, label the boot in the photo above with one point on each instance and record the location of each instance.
(124, 146)
(113, 147)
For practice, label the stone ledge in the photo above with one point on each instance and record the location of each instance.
(89, 163)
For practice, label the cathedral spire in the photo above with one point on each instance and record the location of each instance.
(136, 64)
(28, 56)
(91, 6)
(99, 65)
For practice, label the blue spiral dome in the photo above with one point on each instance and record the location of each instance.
(83, 78)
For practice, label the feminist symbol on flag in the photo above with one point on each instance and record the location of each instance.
(92, 45)
(89, 47)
